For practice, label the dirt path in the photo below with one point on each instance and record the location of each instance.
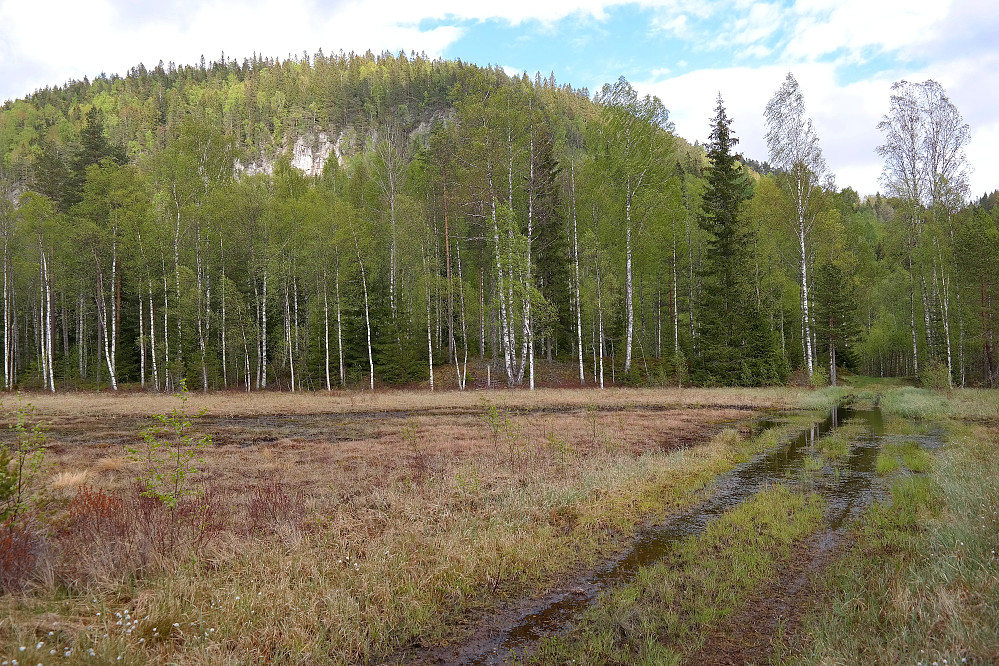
(775, 612)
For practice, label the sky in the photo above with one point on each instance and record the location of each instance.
(845, 54)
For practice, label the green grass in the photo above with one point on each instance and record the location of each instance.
(835, 447)
(670, 605)
(886, 464)
(906, 454)
(921, 582)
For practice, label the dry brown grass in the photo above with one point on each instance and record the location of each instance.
(349, 526)
(234, 403)
(69, 479)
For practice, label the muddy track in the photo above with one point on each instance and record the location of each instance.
(773, 613)
(517, 628)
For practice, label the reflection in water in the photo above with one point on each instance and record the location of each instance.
(846, 493)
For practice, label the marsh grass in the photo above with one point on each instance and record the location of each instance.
(886, 464)
(835, 446)
(903, 455)
(667, 610)
(343, 551)
(921, 583)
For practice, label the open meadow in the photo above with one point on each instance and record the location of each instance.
(389, 527)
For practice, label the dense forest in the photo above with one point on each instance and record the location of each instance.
(363, 220)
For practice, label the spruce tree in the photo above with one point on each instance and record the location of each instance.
(734, 344)
(835, 315)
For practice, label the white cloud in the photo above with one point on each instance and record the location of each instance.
(827, 26)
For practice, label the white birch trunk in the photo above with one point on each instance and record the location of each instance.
(142, 343)
(152, 338)
(430, 339)
(628, 284)
(176, 273)
(326, 335)
(339, 322)
(806, 320)
(263, 335)
(167, 374)
(288, 336)
(575, 257)
(7, 298)
(367, 316)
(500, 286)
(222, 289)
(463, 375)
(676, 304)
(79, 338)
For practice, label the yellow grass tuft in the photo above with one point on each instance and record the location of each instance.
(111, 464)
(69, 479)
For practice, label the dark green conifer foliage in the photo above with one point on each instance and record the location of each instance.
(93, 149)
(735, 345)
(835, 315)
(551, 243)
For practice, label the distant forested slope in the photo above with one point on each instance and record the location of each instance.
(362, 220)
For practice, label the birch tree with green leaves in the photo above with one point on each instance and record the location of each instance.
(794, 150)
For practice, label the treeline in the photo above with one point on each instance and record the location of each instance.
(353, 220)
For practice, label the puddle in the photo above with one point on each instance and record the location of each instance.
(847, 490)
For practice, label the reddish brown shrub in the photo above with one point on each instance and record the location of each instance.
(271, 505)
(21, 546)
(109, 536)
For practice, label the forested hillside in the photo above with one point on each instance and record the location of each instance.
(361, 220)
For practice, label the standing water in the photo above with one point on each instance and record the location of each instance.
(852, 489)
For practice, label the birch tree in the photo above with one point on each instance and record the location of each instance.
(637, 132)
(925, 166)
(794, 150)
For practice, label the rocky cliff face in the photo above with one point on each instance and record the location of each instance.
(313, 148)
(309, 154)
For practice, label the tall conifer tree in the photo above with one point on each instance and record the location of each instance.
(735, 345)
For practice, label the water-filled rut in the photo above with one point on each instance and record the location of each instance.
(847, 489)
